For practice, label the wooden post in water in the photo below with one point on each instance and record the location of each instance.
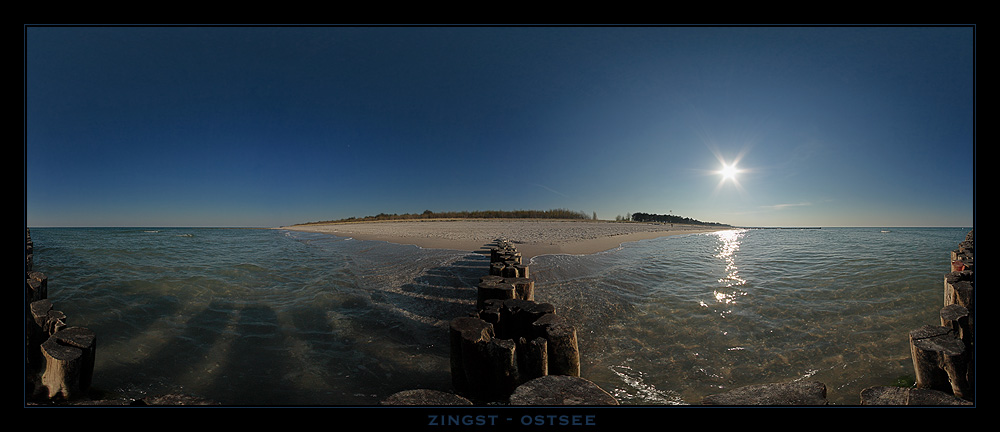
(522, 271)
(940, 360)
(956, 318)
(524, 288)
(504, 288)
(69, 362)
(494, 289)
(36, 286)
(501, 357)
(563, 351)
(943, 356)
(467, 362)
(958, 289)
(533, 357)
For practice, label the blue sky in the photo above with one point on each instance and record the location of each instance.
(270, 126)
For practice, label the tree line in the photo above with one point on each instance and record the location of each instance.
(650, 217)
(476, 214)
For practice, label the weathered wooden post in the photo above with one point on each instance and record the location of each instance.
(501, 360)
(519, 316)
(524, 288)
(491, 288)
(483, 367)
(36, 286)
(69, 362)
(956, 318)
(533, 357)
(522, 270)
(29, 251)
(958, 289)
(467, 362)
(45, 321)
(940, 360)
(563, 351)
(508, 270)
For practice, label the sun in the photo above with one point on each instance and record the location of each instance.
(729, 171)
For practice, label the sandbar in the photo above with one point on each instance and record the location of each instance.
(532, 237)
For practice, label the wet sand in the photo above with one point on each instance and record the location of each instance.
(532, 237)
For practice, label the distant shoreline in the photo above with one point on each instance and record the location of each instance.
(533, 237)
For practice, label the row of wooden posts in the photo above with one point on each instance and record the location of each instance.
(944, 355)
(59, 359)
(510, 339)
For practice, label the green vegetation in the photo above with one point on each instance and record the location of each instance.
(519, 214)
(905, 381)
(649, 217)
(478, 214)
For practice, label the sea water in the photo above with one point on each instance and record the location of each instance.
(276, 317)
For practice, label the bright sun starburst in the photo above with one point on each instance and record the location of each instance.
(729, 171)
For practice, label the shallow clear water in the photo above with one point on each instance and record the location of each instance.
(271, 317)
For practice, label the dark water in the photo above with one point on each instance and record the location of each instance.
(271, 317)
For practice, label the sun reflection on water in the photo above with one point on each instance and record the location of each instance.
(729, 245)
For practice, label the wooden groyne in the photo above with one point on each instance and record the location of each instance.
(513, 349)
(944, 355)
(59, 359)
(511, 339)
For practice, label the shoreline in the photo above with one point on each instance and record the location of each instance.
(533, 237)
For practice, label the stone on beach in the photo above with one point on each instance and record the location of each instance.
(778, 394)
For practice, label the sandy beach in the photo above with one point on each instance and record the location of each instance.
(532, 237)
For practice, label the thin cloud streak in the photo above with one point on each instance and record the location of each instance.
(785, 206)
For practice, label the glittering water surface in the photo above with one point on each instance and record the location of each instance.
(278, 317)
